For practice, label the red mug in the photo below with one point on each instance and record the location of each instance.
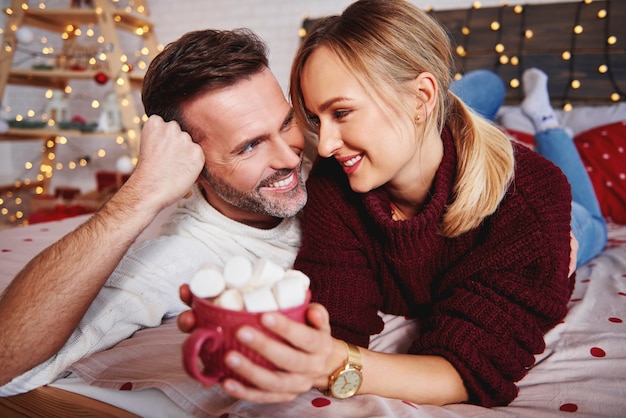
(214, 335)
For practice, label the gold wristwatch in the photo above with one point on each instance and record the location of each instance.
(346, 380)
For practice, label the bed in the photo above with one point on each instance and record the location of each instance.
(580, 373)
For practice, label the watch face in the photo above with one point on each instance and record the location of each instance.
(347, 383)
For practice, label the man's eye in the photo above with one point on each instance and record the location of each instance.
(251, 146)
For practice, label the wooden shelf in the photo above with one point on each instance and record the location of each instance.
(21, 186)
(57, 20)
(105, 16)
(58, 79)
(17, 134)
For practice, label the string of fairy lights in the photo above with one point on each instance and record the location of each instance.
(90, 52)
(505, 56)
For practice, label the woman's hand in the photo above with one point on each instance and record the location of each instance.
(573, 259)
(310, 357)
(305, 362)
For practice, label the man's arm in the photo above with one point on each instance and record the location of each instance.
(55, 289)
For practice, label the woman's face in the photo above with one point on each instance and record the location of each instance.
(373, 144)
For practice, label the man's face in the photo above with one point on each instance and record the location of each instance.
(253, 150)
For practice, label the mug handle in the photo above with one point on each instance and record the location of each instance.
(191, 353)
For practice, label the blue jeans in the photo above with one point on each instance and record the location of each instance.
(484, 91)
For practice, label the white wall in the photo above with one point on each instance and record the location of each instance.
(276, 21)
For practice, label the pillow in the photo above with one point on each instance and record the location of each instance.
(603, 152)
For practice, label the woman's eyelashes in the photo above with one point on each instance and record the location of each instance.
(340, 114)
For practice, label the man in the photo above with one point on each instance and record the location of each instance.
(229, 129)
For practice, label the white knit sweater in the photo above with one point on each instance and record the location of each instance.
(144, 287)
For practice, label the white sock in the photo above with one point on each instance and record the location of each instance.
(536, 104)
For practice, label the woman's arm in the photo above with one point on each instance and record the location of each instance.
(315, 355)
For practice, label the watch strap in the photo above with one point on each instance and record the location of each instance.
(354, 355)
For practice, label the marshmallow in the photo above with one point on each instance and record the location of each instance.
(291, 273)
(237, 272)
(265, 273)
(260, 300)
(290, 291)
(208, 282)
(230, 299)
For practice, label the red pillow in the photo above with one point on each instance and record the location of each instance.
(603, 151)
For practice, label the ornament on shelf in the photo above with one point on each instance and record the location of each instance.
(110, 116)
(25, 36)
(75, 56)
(101, 78)
(79, 3)
(124, 164)
(57, 108)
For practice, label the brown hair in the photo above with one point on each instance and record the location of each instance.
(387, 43)
(197, 62)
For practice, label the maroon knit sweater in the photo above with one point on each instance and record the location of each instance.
(485, 299)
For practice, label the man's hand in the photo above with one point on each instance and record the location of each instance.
(168, 165)
(186, 321)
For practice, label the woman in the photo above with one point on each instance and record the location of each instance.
(419, 207)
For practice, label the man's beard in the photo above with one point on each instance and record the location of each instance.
(289, 204)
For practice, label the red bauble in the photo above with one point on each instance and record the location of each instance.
(101, 78)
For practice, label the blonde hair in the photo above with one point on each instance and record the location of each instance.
(387, 43)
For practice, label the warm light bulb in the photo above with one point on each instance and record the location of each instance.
(603, 69)
(514, 83)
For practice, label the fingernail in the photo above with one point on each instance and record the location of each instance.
(233, 360)
(229, 385)
(245, 336)
(269, 320)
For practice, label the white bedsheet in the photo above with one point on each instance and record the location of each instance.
(582, 373)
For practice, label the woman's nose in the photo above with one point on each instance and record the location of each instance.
(329, 142)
